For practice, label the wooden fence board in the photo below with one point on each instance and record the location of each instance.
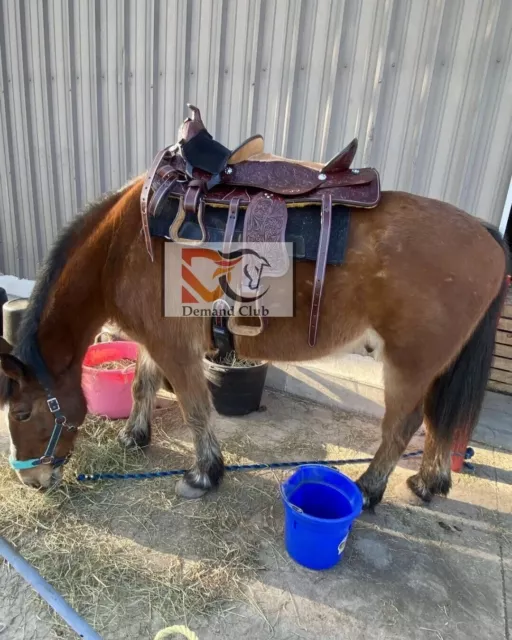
(503, 350)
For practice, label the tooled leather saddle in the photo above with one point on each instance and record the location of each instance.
(199, 171)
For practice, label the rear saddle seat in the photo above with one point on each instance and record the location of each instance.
(199, 171)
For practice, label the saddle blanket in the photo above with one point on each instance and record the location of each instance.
(302, 228)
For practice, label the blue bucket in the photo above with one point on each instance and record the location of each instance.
(320, 506)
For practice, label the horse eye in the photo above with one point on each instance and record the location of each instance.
(22, 417)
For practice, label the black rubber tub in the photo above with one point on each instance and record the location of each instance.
(236, 391)
(3, 300)
(12, 313)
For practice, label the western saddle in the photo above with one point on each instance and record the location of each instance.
(199, 171)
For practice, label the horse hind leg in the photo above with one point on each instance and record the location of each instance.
(454, 402)
(403, 416)
(148, 380)
(434, 477)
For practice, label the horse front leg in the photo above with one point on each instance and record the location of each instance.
(148, 380)
(185, 373)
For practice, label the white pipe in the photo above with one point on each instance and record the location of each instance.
(46, 591)
(506, 210)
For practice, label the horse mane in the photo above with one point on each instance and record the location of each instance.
(27, 348)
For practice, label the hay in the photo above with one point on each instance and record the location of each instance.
(112, 365)
(130, 556)
(232, 360)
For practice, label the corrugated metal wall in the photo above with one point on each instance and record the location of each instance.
(91, 89)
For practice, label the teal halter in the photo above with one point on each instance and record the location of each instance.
(60, 423)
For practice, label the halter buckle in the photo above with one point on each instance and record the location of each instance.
(46, 459)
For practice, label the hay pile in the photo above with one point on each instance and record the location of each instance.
(129, 554)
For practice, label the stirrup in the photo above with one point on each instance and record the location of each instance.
(236, 325)
(239, 329)
(175, 227)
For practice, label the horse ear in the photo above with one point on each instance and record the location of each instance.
(12, 367)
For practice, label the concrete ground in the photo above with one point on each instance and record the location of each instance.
(354, 382)
(410, 571)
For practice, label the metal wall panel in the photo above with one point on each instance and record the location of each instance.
(91, 89)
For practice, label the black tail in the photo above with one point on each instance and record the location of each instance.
(455, 400)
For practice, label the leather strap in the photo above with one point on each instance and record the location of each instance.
(321, 261)
(144, 199)
(165, 171)
(160, 196)
(195, 189)
(229, 232)
(222, 337)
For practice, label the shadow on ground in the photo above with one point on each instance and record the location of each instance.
(409, 571)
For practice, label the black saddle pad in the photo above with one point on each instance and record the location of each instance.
(302, 228)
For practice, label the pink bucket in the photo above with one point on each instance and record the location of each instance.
(109, 392)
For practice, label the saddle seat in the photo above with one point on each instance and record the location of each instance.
(252, 150)
(199, 171)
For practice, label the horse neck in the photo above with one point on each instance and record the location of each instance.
(76, 309)
(77, 306)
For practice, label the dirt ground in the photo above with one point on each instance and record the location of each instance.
(132, 558)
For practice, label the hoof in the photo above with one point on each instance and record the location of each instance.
(419, 488)
(132, 439)
(426, 490)
(184, 490)
(371, 496)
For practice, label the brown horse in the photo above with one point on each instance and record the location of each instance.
(425, 277)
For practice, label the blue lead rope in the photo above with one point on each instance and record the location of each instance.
(94, 477)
